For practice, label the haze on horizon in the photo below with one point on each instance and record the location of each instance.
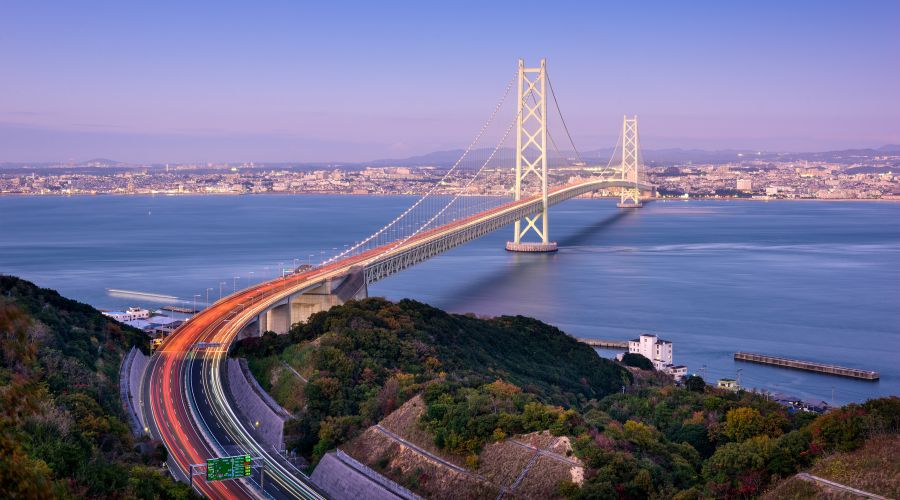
(340, 81)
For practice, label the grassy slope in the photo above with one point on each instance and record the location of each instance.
(873, 468)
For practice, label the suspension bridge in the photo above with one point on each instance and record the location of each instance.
(183, 401)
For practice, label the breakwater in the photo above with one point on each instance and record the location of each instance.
(810, 366)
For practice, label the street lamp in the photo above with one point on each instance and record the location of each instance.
(234, 283)
(194, 311)
(221, 284)
(207, 296)
(250, 279)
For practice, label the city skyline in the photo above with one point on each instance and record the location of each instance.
(286, 82)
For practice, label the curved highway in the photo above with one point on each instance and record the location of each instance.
(183, 399)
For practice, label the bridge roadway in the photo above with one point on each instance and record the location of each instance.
(183, 399)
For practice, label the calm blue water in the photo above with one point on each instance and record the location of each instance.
(813, 280)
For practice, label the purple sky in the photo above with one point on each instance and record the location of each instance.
(331, 81)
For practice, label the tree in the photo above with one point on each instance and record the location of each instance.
(743, 423)
(637, 360)
(695, 435)
(739, 469)
(695, 383)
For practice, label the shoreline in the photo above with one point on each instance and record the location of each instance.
(708, 198)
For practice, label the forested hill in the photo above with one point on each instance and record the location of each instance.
(483, 381)
(365, 358)
(62, 427)
(375, 335)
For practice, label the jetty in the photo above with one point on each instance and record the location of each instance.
(179, 309)
(604, 343)
(810, 366)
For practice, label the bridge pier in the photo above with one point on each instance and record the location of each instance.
(333, 292)
(297, 308)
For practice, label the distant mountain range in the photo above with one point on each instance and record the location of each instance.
(659, 156)
(671, 156)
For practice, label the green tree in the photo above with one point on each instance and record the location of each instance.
(637, 360)
(743, 423)
(695, 383)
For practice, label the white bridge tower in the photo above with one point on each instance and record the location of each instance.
(630, 195)
(531, 155)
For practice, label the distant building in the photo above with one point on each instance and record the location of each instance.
(655, 349)
(156, 326)
(130, 314)
(659, 352)
(728, 384)
(744, 185)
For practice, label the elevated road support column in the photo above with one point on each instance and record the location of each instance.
(296, 308)
(333, 292)
(531, 155)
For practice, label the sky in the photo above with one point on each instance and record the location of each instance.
(333, 81)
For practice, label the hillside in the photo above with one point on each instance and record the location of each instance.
(873, 468)
(438, 403)
(62, 427)
(364, 359)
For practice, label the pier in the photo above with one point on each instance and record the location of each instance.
(810, 366)
(604, 343)
(179, 309)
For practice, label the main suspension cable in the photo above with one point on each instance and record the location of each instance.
(465, 153)
(563, 119)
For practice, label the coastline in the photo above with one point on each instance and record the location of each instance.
(339, 193)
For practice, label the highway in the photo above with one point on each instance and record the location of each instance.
(183, 399)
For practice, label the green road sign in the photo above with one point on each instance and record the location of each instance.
(218, 469)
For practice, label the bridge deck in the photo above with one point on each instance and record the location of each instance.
(175, 417)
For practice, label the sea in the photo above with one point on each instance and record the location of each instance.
(813, 280)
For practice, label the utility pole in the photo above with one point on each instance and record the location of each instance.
(207, 296)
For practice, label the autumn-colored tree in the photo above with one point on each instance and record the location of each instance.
(743, 423)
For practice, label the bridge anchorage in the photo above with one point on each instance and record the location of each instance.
(630, 197)
(531, 155)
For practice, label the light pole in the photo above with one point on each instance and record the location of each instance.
(194, 311)
(234, 283)
(250, 279)
(207, 296)
(221, 284)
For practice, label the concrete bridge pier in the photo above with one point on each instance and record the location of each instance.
(278, 319)
(332, 292)
(299, 307)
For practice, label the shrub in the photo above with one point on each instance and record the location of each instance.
(637, 360)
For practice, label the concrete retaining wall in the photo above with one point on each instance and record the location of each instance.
(131, 376)
(252, 404)
(341, 476)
